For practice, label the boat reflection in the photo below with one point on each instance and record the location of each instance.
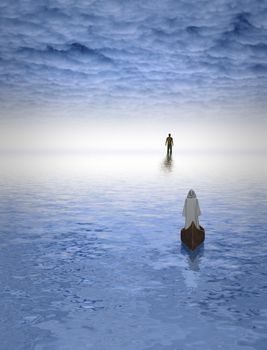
(192, 262)
(194, 257)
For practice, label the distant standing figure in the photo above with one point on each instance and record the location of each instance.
(191, 209)
(169, 144)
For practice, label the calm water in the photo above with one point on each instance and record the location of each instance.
(90, 253)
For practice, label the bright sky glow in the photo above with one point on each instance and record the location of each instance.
(132, 137)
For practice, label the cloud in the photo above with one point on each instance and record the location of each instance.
(120, 53)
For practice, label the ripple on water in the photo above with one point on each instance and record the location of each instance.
(99, 265)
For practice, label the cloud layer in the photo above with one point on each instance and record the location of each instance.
(134, 54)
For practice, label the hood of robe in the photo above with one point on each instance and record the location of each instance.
(191, 194)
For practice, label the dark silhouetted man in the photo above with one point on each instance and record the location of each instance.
(169, 144)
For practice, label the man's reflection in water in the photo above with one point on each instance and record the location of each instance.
(167, 164)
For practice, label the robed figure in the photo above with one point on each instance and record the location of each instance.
(191, 210)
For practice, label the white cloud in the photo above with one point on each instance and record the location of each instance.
(116, 53)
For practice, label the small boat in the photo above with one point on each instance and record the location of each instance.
(192, 237)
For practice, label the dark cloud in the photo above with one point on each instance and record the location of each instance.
(168, 53)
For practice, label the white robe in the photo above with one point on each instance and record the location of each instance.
(191, 212)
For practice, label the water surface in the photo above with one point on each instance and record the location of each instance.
(90, 253)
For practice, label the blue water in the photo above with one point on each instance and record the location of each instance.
(91, 258)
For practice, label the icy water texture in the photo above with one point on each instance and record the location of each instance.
(91, 256)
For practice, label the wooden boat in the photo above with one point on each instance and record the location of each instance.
(192, 237)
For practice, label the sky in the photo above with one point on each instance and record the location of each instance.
(74, 72)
